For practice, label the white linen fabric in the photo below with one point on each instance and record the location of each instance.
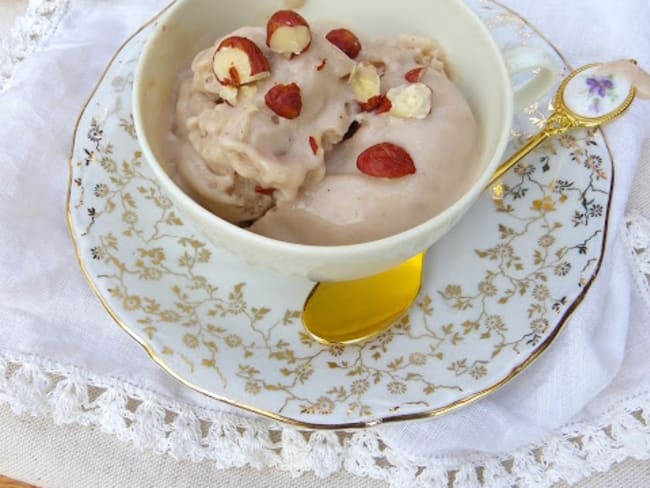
(582, 406)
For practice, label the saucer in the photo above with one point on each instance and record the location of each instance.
(497, 289)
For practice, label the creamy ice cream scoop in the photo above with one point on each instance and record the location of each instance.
(230, 142)
(348, 206)
(316, 137)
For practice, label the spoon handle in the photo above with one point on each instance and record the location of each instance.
(532, 143)
(558, 123)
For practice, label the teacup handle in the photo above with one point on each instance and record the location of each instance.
(527, 59)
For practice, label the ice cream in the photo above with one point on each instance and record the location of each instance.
(307, 134)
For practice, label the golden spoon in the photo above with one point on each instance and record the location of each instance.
(353, 311)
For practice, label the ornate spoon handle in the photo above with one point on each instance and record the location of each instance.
(589, 97)
(558, 123)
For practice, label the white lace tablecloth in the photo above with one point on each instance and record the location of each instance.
(72, 417)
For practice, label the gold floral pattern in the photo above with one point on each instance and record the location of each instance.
(520, 264)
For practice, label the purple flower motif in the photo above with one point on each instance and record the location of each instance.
(599, 85)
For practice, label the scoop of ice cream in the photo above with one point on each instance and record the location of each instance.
(348, 206)
(279, 144)
(238, 144)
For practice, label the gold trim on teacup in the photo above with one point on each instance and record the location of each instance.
(335, 426)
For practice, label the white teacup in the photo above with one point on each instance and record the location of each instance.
(475, 63)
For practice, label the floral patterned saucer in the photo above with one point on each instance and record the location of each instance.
(497, 289)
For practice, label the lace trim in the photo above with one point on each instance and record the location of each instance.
(29, 31)
(638, 238)
(34, 386)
